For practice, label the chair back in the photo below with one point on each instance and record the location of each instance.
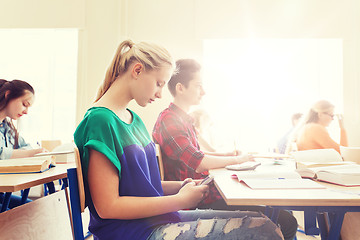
(43, 219)
(77, 197)
(80, 179)
(159, 160)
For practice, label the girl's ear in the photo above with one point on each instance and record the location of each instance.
(136, 70)
(7, 93)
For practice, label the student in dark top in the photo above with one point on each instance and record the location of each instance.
(181, 153)
(124, 193)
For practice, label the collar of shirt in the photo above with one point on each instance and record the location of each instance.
(186, 117)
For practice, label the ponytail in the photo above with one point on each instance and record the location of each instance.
(116, 67)
(149, 55)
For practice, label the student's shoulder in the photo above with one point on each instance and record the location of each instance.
(99, 115)
(168, 113)
(315, 127)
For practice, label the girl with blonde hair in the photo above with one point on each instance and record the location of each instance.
(124, 192)
(314, 135)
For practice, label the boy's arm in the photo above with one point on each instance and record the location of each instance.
(212, 162)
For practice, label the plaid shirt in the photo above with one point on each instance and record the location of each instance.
(175, 133)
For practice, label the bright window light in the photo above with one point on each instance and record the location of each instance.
(254, 86)
(47, 59)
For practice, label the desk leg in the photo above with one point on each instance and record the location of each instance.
(25, 195)
(64, 183)
(51, 187)
(335, 225)
(323, 224)
(6, 201)
(310, 222)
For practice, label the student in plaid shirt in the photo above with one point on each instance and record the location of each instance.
(182, 158)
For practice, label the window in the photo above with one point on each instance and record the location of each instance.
(255, 85)
(47, 59)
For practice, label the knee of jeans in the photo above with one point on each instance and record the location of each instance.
(204, 227)
(261, 221)
(232, 223)
(174, 230)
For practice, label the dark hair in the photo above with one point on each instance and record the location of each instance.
(10, 90)
(185, 70)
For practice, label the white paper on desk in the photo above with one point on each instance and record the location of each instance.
(281, 183)
(267, 174)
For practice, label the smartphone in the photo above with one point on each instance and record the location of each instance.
(207, 180)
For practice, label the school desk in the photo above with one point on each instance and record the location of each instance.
(327, 205)
(10, 183)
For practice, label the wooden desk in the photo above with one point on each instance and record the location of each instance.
(335, 200)
(10, 183)
(236, 193)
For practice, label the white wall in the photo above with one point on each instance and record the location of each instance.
(180, 25)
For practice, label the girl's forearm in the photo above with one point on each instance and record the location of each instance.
(171, 187)
(139, 207)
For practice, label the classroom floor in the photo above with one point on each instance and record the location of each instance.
(299, 235)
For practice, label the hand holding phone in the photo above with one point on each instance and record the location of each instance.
(207, 180)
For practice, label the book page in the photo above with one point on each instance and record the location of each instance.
(281, 184)
(62, 149)
(267, 175)
(347, 175)
(306, 172)
(343, 169)
(342, 175)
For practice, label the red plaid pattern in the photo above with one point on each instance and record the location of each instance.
(175, 133)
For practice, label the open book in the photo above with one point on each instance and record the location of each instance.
(327, 165)
(26, 165)
(63, 153)
(317, 158)
(345, 175)
(276, 180)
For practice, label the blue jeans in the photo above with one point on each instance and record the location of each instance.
(214, 224)
(286, 220)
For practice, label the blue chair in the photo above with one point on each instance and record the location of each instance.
(77, 198)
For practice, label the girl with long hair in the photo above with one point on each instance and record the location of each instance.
(124, 192)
